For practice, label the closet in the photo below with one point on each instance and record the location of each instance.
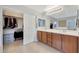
(10, 22)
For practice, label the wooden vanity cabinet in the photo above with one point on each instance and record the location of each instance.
(69, 44)
(64, 43)
(56, 41)
(39, 36)
(44, 37)
(78, 44)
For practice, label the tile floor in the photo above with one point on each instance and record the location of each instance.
(34, 47)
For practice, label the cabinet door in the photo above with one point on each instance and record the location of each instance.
(49, 42)
(44, 37)
(39, 37)
(69, 44)
(78, 44)
(56, 41)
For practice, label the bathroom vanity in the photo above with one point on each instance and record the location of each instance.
(64, 41)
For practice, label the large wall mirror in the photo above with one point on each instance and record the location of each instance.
(78, 23)
(77, 18)
(62, 23)
(41, 23)
(71, 24)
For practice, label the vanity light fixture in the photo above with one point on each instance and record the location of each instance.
(53, 9)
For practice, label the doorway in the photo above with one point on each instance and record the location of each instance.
(12, 31)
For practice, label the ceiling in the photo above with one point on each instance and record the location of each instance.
(68, 10)
(38, 8)
(22, 9)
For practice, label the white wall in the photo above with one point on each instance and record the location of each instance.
(29, 29)
(1, 31)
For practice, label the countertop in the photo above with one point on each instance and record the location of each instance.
(65, 32)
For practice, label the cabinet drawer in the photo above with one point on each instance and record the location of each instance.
(56, 41)
(48, 39)
(49, 35)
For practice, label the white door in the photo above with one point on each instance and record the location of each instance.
(29, 28)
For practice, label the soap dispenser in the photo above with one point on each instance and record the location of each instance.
(51, 26)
